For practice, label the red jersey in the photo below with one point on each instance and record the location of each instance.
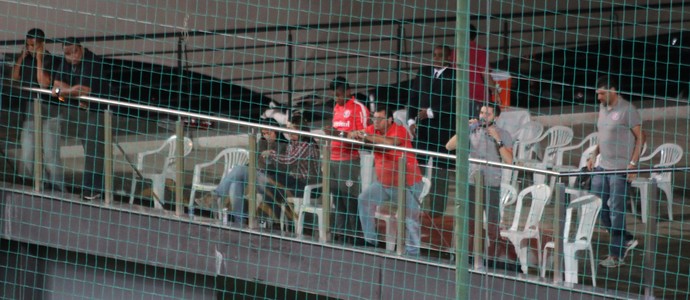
(478, 67)
(386, 160)
(348, 117)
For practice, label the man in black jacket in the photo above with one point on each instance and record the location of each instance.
(432, 111)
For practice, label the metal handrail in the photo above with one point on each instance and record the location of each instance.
(351, 141)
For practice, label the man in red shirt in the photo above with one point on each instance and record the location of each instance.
(385, 186)
(348, 115)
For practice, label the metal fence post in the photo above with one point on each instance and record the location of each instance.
(558, 230)
(478, 242)
(651, 238)
(251, 183)
(179, 169)
(108, 156)
(401, 213)
(38, 146)
(326, 191)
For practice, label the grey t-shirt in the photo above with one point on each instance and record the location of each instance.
(483, 146)
(616, 140)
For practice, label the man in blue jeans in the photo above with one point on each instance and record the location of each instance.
(620, 145)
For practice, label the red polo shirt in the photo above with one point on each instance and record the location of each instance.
(386, 160)
(348, 117)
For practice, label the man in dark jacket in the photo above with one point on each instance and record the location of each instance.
(432, 111)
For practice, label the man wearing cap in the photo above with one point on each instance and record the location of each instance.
(348, 115)
(33, 69)
(80, 74)
(432, 111)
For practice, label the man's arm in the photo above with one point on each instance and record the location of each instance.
(637, 151)
(16, 69)
(42, 76)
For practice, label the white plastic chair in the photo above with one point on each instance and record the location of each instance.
(158, 176)
(587, 146)
(521, 150)
(384, 213)
(230, 157)
(556, 137)
(519, 234)
(306, 204)
(587, 208)
(669, 155)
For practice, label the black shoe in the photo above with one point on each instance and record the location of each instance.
(91, 197)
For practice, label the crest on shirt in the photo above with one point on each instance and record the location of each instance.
(615, 116)
(347, 113)
(349, 183)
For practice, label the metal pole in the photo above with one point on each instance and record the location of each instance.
(108, 155)
(326, 191)
(251, 183)
(398, 62)
(558, 231)
(402, 201)
(38, 146)
(462, 163)
(477, 240)
(291, 72)
(179, 169)
(651, 238)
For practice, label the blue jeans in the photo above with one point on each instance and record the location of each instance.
(53, 171)
(374, 195)
(613, 191)
(232, 185)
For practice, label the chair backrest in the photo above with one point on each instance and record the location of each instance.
(557, 137)
(587, 208)
(530, 131)
(171, 144)
(541, 194)
(425, 189)
(669, 155)
(585, 156)
(234, 157)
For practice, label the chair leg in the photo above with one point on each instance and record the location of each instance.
(593, 266)
(282, 217)
(570, 265)
(134, 189)
(299, 224)
(668, 191)
(391, 233)
(158, 189)
(544, 259)
(538, 250)
(643, 203)
(323, 237)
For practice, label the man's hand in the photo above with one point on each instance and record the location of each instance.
(422, 115)
(267, 153)
(590, 162)
(413, 129)
(329, 130)
(491, 130)
(631, 176)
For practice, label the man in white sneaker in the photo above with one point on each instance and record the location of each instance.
(620, 145)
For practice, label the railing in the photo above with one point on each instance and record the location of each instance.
(650, 236)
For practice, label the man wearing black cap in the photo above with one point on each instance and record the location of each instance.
(33, 69)
(348, 115)
(80, 74)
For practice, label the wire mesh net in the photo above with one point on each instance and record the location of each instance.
(325, 149)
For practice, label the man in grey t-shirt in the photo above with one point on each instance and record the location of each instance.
(620, 145)
(492, 143)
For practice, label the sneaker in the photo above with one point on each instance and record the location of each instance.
(629, 246)
(611, 262)
(92, 197)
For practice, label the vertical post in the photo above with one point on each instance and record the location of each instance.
(326, 190)
(291, 72)
(462, 16)
(402, 206)
(179, 169)
(398, 62)
(108, 155)
(651, 238)
(38, 146)
(558, 230)
(251, 182)
(478, 239)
